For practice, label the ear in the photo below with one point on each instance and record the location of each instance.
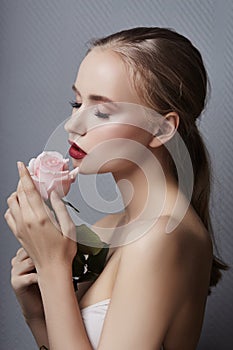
(166, 129)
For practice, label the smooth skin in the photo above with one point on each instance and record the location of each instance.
(163, 278)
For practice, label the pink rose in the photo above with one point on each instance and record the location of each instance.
(49, 172)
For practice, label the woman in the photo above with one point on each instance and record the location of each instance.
(153, 290)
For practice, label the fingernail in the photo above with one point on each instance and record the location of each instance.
(20, 166)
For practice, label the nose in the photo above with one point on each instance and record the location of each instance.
(75, 125)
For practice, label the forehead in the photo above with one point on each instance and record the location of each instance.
(102, 72)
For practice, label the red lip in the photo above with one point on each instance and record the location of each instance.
(75, 151)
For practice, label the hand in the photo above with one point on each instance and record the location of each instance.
(24, 283)
(47, 242)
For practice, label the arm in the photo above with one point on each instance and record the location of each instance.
(39, 331)
(63, 318)
(24, 283)
(52, 247)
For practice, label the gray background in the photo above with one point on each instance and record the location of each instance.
(41, 46)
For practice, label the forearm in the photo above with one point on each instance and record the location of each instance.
(63, 318)
(39, 331)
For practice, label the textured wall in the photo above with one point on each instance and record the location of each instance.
(41, 44)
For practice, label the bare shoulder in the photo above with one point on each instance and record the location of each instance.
(188, 244)
(158, 275)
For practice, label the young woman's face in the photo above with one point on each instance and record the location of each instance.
(109, 146)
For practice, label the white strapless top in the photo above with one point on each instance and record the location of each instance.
(93, 318)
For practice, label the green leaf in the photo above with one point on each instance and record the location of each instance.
(88, 241)
(82, 257)
(78, 265)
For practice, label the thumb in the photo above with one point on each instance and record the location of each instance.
(67, 225)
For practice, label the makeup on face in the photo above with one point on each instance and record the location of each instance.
(95, 98)
(75, 151)
(123, 114)
(106, 108)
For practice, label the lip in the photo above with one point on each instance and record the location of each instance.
(75, 151)
(72, 143)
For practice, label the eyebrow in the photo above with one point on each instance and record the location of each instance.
(96, 97)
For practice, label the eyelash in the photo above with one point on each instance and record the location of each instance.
(99, 114)
(75, 104)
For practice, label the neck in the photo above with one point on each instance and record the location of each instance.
(147, 192)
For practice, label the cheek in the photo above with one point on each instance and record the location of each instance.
(114, 148)
(111, 132)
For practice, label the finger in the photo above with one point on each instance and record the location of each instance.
(53, 219)
(24, 280)
(66, 223)
(14, 207)
(28, 194)
(17, 214)
(13, 204)
(20, 251)
(30, 278)
(21, 254)
(23, 202)
(14, 218)
(19, 257)
(19, 186)
(22, 267)
(10, 221)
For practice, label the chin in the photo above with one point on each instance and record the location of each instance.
(111, 166)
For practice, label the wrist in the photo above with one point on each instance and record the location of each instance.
(54, 273)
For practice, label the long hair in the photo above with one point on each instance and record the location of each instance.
(168, 74)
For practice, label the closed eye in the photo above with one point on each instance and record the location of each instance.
(102, 115)
(99, 114)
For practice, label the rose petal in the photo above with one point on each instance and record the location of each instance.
(61, 186)
(54, 154)
(56, 173)
(31, 165)
(46, 177)
(41, 188)
(51, 163)
(50, 171)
